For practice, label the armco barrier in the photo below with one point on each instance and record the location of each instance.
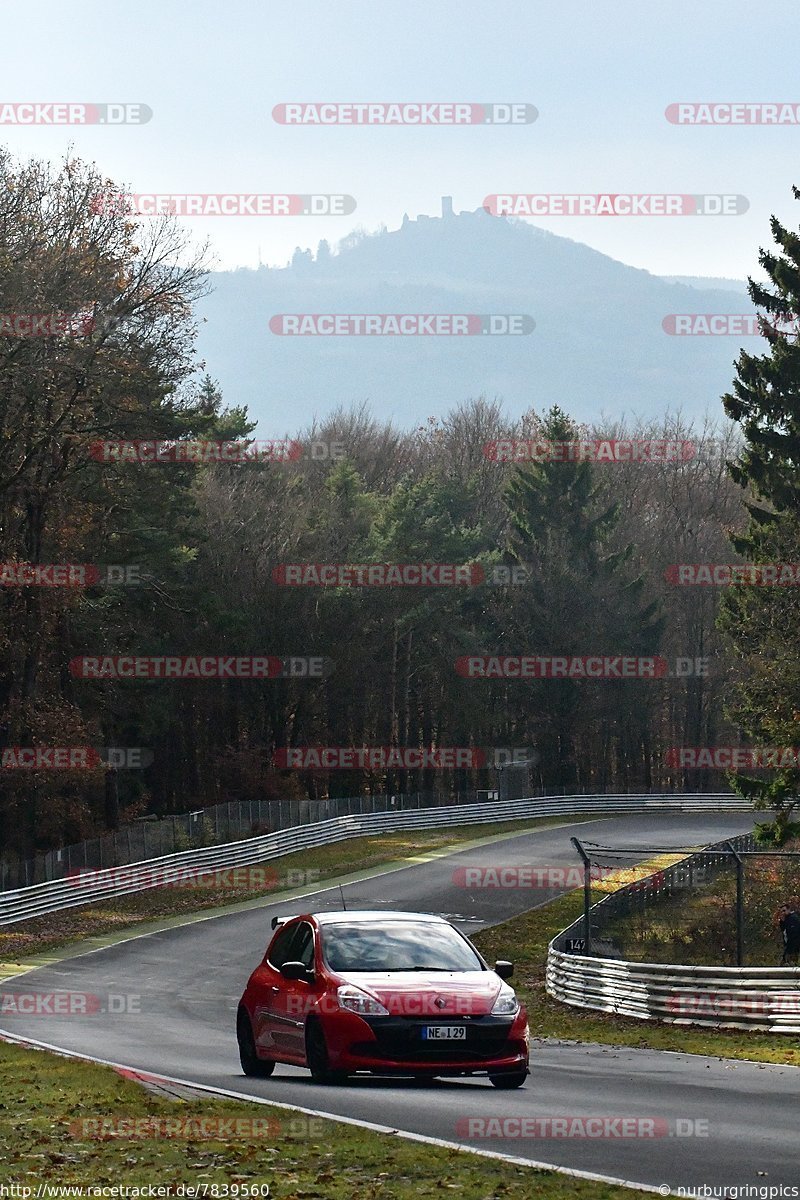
(758, 998)
(212, 825)
(59, 894)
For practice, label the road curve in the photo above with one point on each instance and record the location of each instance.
(180, 988)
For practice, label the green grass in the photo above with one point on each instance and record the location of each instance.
(524, 939)
(107, 917)
(43, 1095)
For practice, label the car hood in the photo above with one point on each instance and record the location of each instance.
(429, 993)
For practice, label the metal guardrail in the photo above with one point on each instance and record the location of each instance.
(59, 894)
(212, 825)
(758, 998)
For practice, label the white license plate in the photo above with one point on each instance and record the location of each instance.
(444, 1033)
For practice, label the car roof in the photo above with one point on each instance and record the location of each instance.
(368, 917)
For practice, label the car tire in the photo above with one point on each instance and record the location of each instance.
(317, 1058)
(251, 1063)
(508, 1080)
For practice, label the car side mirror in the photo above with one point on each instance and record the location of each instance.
(294, 970)
(503, 968)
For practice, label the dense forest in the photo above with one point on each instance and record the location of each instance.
(571, 557)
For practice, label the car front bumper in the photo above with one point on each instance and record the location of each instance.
(396, 1044)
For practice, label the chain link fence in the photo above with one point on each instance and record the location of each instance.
(714, 907)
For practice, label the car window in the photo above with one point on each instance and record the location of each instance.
(280, 950)
(401, 946)
(302, 948)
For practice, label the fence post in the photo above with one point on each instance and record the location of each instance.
(587, 896)
(739, 904)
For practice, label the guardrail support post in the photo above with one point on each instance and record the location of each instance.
(739, 904)
(587, 895)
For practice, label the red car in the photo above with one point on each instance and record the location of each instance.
(385, 992)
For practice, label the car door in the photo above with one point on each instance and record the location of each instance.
(270, 985)
(294, 997)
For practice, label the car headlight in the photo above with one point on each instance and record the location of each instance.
(356, 1001)
(506, 1003)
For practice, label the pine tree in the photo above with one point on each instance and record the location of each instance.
(582, 599)
(763, 623)
(766, 393)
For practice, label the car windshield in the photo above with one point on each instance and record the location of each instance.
(399, 946)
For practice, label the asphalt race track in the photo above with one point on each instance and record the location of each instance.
(185, 984)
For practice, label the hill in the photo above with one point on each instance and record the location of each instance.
(598, 346)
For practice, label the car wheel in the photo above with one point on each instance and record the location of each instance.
(317, 1055)
(251, 1063)
(510, 1079)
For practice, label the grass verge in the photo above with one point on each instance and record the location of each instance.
(42, 935)
(525, 939)
(42, 1096)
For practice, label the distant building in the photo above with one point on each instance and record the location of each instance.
(447, 211)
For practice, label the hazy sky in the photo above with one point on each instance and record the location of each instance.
(600, 74)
